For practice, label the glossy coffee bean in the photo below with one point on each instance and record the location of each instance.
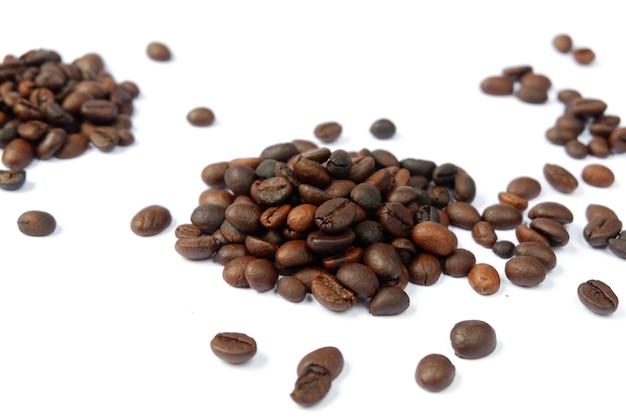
(261, 274)
(201, 116)
(462, 214)
(335, 215)
(233, 347)
(598, 175)
(484, 234)
(11, 179)
(584, 56)
(598, 297)
(502, 216)
(383, 259)
(360, 278)
(503, 249)
(389, 301)
(434, 238)
(484, 279)
(435, 372)
(151, 220)
(525, 187)
(291, 288)
(332, 294)
(617, 246)
(458, 263)
(525, 271)
(555, 232)
(36, 223)
(197, 248)
(560, 178)
(473, 339)
(328, 132)
(542, 252)
(551, 210)
(424, 269)
(315, 371)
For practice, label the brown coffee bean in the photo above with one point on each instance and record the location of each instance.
(473, 339)
(151, 220)
(458, 263)
(617, 140)
(360, 278)
(516, 72)
(560, 178)
(234, 271)
(294, 253)
(315, 372)
(562, 43)
(11, 179)
(503, 249)
(291, 288)
(599, 229)
(538, 250)
(434, 238)
(484, 234)
(560, 136)
(576, 149)
(587, 107)
(261, 274)
(567, 94)
(525, 271)
(328, 132)
(462, 214)
(197, 248)
(599, 147)
(599, 211)
(524, 233)
(383, 259)
(484, 279)
(201, 116)
(331, 293)
(525, 187)
(327, 357)
(233, 347)
(556, 232)
(598, 297)
(187, 230)
(51, 143)
(502, 216)
(158, 51)
(435, 372)
(617, 246)
(497, 86)
(532, 79)
(598, 175)
(383, 129)
(424, 269)
(513, 199)
(532, 94)
(36, 223)
(584, 56)
(389, 301)
(18, 154)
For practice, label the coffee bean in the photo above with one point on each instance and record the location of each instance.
(294, 253)
(484, 234)
(389, 301)
(187, 230)
(560, 178)
(617, 246)
(525, 187)
(424, 269)
(598, 297)
(383, 259)
(473, 339)
(291, 288)
(158, 51)
(11, 179)
(538, 250)
(383, 129)
(599, 229)
(435, 372)
(434, 238)
(516, 72)
(562, 43)
(567, 94)
(532, 79)
(51, 143)
(598, 211)
(261, 274)
(36, 223)
(497, 86)
(598, 175)
(583, 56)
(328, 132)
(315, 372)
(395, 218)
(360, 278)
(503, 249)
(151, 220)
(525, 271)
(532, 94)
(587, 107)
(502, 216)
(484, 279)
(331, 293)
(458, 263)
(555, 232)
(335, 215)
(524, 233)
(576, 149)
(552, 210)
(18, 154)
(99, 111)
(513, 199)
(462, 214)
(75, 145)
(233, 347)
(599, 147)
(201, 116)
(560, 136)
(197, 248)
(617, 140)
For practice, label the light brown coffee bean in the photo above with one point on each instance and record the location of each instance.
(562, 43)
(158, 51)
(560, 178)
(151, 220)
(484, 279)
(328, 132)
(598, 175)
(484, 234)
(36, 223)
(525, 187)
(434, 238)
(497, 86)
(201, 116)
(598, 297)
(584, 56)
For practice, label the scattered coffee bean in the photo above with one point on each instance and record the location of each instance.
(555, 232)
(158, 51)
(36, 223)
(560, 178)
(552, 210)
(525, 271)
(503, 249)
(435, 372)
(563, 43)
(383, 129)
(525, 187)
(598, 175)
(484, 234)
(151, 220)
(315, 371)
(389, 301)
(328, 132)
(497, 86)
(502, 216)
(584, 56)
(598, 297)
(201, 116)
(458, 263)
(473, 339)
(233, 347)
(484, 279)
(11, 179)
(543, 252)
(617, 245)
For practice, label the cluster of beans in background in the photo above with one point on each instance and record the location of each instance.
(53, 109)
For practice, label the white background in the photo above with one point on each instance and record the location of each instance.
(97, 321)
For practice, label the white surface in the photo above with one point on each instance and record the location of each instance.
(96, 321)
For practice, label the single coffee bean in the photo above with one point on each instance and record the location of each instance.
(462, 214)
(389, 301)
(435, 372)
(315, 372)
(560, 136)
(233, 347)
(560, 178)
(484, 234)
(228, 251)
(11, 179)
(99, 111)
(36, 223)
(360, 278)
(524, 233)
(533, 79)
(383, 259)
(552, 210)
(598, 175)
(325, 244)
(525, 271)
(187, 230)
(584, 56)
(335, 215)
(75, 145)
(473, 339)
(571, 122)
(383, 129)
(598, 211)
(201, 116)
(291, 288)
(513, 200)
(567, 94)
(525, 187)
(294, 253)
(261, 274)
(424, 269)
(310, 172)
(484, 279)
(497, 85)
(395, 218)
(516, 72)
(234, 271)
(328, 132)
(197, 248)
(562, 43)
(599, 147)
(538, 250)
(151, 220)
(458, 263)
(502, 216)
(503, 249)
(532, 94)
(405, 248)
(332, 294)
(434, 238)
(576, 149)
(158, 51)
(587, 107)
(339, 163)
(617, 246)
(327, 357)
(598, 297)
(464, 187)
(18, 154)
(51, 143)
(556, 232)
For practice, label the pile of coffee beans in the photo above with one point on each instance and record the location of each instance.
(49, 108)
(342, 226)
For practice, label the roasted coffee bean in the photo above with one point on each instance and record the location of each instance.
(524, 233)
(151, 220)
(233, 347)
(425, 269)
(560, 178)
(502, 216)
(532, 94)
(395, 218)
(598, 175)
(339, 163)
(261, 274)
(562, 43)
(280, 151)
(484, 279)
(617, 140)
(315, 372)
(458, 263)
(513, 200)
(538, 250)
(598, 297)
(197, 248)
(383, 259)
(201, 116)
(18, 154)
(11, 179)
(328, 132)
(383, 129)
(332, 294)
(599, 229)
(325, 244)
(294, 253)
(229, 251)
(525, 271)
(36, 223)
(340, 187)
(617, 246)
(560, 136)
(588, 107)
(497, 85)
(434, 238)
(187, 230)
(464, 187)
(208, 217)
(516, 72)
(576, 149)
(158, 51)
(360, 278)
(366, 195)
(503, 249)
(525, 187)
(389, 301)
(75, 145)
(584, 56)
(435, 372)
(552, 210)
(311, 172)
(335, 215)
(599, 147)
(261, 247)
(99, 111)
(565, 95)
(291, 288)
(104, 138)
(361, 168)
(555, 232)
(239, 178)
(213, 174)
(301, 218)
(536, 80)
(51, 143)
(462, 214)
(368, 232)
(598, 211)
(405, 248)
(234, 271)
(473, 339)
(484, 234)
(329, 358)
(444, 174)
(570, 122)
